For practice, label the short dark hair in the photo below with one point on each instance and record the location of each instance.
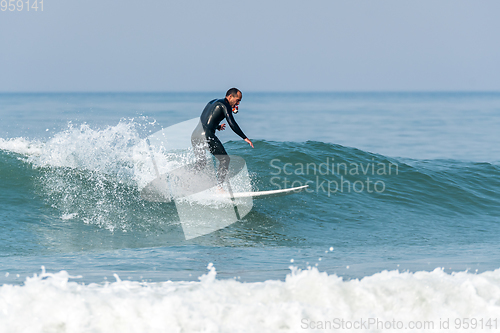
(233, 92)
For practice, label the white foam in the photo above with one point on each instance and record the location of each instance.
(84, 171)
(21, 146)
(109, 158)
(68, 216)
(52, 303)
(117, 151)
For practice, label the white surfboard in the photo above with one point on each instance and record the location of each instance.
(268, 194)
(154, 194)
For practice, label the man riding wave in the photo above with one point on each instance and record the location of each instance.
(203, 137)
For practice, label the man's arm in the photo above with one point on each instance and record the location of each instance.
(234, 126)
(232, 123)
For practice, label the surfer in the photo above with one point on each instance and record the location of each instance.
(203, 137)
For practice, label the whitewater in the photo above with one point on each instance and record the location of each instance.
(306, 300)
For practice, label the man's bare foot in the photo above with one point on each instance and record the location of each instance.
(220, 190)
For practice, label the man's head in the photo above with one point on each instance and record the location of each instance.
(233, 96)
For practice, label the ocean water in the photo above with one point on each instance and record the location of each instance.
(398, 230)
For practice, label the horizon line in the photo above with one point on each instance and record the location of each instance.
(250, 91)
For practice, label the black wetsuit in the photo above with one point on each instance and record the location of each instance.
(204, 135)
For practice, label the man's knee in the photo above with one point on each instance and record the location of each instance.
(223, 159)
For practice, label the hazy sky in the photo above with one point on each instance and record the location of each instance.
(272, 45)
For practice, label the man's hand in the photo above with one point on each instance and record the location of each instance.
(222, 127)
(247, 140)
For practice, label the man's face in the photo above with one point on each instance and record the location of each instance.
(234, 100)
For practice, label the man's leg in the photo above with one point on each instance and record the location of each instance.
(217, 149)
(199, 143)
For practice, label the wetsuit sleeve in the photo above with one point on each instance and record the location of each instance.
(234, 126)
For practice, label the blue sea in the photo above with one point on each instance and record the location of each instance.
(398, 231)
